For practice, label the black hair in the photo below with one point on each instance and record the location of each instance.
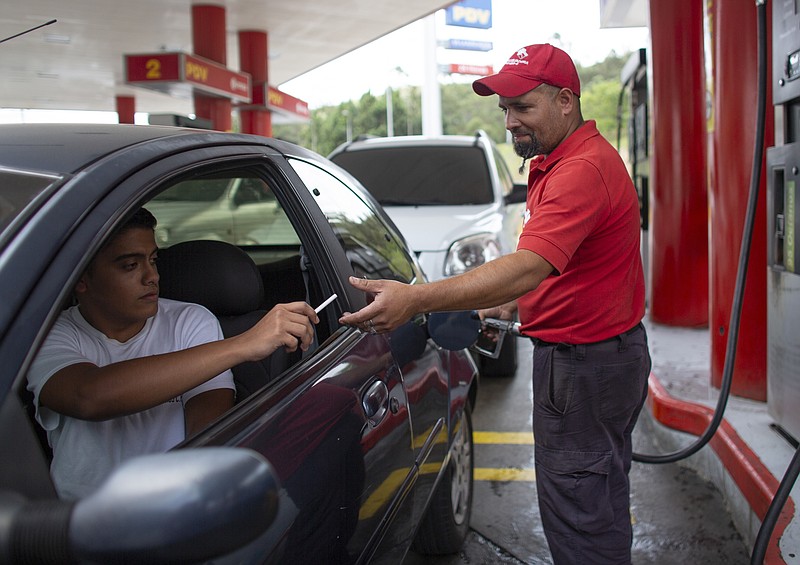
(142, 218)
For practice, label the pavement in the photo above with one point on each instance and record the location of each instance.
(746, 459)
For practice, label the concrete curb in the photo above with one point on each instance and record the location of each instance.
(750, 477)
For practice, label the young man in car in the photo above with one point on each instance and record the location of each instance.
(578, 283)
(126, 373)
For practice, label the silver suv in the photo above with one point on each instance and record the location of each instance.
(453, 198)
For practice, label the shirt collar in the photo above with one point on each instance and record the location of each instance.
(585, 131)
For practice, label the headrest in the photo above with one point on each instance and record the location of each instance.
(215, 274)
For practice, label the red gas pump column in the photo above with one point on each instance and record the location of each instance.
(733, 35)
(126, 108)
(678, 197)
(208, 38)
(253, 59)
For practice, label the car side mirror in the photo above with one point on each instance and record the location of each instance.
(454, 330)
(518, 194)
(183, 506)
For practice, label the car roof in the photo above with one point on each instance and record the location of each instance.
(408, 141)
(68, 148)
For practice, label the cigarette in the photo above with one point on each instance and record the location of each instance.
(330, 299)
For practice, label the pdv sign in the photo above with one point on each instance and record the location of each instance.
(470, 13)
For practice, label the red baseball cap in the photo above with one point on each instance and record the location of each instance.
(529, 67)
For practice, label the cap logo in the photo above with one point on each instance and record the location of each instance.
(521, 54)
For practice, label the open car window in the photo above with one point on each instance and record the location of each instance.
(227, 243)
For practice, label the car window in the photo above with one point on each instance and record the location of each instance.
(371, 246)
(506, 180)
(17, 190)
(235, 207)
(421, 175)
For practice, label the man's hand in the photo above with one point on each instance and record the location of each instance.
(504, 312)
(394, 304)
(288, 325)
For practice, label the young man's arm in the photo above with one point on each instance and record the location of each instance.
(89, 392)
(206, 407)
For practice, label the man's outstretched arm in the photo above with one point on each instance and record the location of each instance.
(493, 284)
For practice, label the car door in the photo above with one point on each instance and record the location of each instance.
(376, 250)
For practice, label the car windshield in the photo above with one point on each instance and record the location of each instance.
(421, 175)
(19, 189)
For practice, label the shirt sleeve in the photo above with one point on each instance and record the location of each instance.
(60, 349)
(573, 202)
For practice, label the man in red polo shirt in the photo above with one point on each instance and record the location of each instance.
(576, 280)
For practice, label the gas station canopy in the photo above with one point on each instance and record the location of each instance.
(77, 63)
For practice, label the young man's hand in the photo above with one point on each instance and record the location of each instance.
(288, 325)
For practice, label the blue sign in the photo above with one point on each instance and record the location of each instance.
(469, 45)
(470, 13)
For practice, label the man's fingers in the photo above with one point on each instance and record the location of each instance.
(361, 284)
(354, 319)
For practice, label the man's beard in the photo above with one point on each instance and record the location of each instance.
(527, 150)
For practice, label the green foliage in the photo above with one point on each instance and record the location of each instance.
(463, 112)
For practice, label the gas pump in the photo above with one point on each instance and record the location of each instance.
(634, 79)
(783, 258)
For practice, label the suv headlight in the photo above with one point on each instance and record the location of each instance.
(470, 252)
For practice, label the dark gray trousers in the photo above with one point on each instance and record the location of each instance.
(586, 399)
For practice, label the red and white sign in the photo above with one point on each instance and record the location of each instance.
(265, 96)
(160, 71)
(482, 70)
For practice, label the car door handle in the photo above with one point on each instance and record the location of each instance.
(375, 402)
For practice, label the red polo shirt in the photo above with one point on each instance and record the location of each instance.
(583, 218)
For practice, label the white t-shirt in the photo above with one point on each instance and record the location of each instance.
(85, 452)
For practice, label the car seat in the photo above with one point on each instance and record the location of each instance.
(224, 279)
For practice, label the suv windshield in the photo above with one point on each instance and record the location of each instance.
(426, 175)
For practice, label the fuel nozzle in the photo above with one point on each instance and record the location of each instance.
(509, 326)
(493, 332)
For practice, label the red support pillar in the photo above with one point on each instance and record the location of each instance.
(734, 55)
(126, 108)
(679, 205)
(253, 59)
(208, 38)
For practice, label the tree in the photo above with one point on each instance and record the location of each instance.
(463, 112)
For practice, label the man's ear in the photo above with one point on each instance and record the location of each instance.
(566, 98)
(80, 286)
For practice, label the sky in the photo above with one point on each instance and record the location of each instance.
(398, 59)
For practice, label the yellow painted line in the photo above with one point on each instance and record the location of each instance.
(507, 438)
(488, 474)
(381, 495)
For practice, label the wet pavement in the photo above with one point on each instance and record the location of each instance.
(678, 517)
